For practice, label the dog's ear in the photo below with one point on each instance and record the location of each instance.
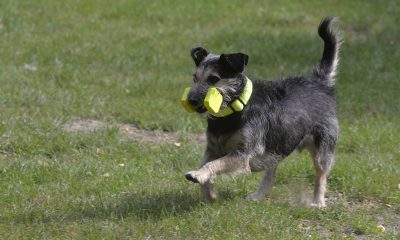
(234, 61)
(198, 54)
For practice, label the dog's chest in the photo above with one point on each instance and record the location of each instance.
(264, 161)
(223, 144)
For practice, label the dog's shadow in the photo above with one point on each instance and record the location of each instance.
(140, 206)
(155, 206)
(161, 205)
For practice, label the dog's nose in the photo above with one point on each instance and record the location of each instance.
(193, 100)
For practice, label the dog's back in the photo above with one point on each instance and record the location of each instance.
(287, 110)
(293, 107)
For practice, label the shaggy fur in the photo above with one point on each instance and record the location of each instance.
(281, 116)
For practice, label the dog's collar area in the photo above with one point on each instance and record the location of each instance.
(239, 103)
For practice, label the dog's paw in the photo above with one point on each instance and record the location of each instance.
(197, 177)
(255, 196)
(318, 204)
(191, 177)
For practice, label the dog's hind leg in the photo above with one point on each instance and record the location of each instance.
(322, 153)
(208, 192)
(322, 164)
(265, 185)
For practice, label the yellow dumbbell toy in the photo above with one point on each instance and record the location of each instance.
(212, 101)
(185, 102)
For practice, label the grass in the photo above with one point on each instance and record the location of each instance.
(127, 62)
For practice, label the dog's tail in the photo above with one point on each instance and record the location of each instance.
(326, 70)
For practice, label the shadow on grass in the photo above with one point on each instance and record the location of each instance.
(142, 207)
(150, 206)
(128, 205)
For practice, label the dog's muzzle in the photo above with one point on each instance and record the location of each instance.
(212, 102)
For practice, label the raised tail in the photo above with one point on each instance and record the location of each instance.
(326, 70)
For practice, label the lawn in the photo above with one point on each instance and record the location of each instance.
(122, 66)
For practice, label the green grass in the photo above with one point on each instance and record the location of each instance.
(127, 62)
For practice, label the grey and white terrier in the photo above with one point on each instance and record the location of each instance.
(275, 118)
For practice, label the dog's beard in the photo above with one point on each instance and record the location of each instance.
(229, 89)
(201, 109)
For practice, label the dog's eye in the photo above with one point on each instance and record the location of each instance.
(213, 79)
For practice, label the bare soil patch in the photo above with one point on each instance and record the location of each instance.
(132, 132)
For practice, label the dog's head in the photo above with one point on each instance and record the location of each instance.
(224, 72)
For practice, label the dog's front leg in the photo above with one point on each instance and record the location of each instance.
(208, 192)
(229, 163)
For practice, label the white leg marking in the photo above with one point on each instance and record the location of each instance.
(211, 169)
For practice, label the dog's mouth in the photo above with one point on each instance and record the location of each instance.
(201, 109)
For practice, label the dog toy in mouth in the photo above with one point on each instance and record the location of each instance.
(185, 102)
(212, 101)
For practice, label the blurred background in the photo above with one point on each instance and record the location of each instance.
(127, 62)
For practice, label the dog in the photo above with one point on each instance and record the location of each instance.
(262, 122)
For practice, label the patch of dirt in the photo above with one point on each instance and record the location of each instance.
(132, 132)
(83, 125)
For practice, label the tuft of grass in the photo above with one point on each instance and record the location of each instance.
(127, 62)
